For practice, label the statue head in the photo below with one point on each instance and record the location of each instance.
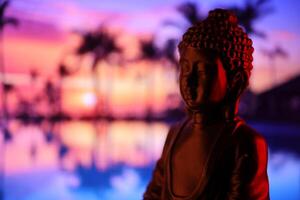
(215, 62)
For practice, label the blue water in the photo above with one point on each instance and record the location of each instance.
(125, 175)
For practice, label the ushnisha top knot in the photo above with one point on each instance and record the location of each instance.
(220, 32)
(223, 15)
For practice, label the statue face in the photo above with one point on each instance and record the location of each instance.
(202, 78)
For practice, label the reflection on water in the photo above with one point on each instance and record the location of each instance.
(108, 160)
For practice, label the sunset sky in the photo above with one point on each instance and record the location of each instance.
(44, 38)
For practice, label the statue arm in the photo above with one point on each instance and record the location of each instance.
(249, 180)
(154, 188)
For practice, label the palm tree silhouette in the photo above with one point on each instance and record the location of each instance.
(101, 45)
(4, 21)
(190, 13)
(250, 12)
(150, 52)
(6, 87)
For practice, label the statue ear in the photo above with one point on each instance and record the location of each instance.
(236, 86)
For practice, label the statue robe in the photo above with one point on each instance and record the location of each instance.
(235, 170)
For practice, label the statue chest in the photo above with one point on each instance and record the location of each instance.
(189, 155)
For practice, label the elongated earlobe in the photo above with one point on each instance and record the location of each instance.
(231, 111)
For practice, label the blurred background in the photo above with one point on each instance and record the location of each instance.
(89, 91)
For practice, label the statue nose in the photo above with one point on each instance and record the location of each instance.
(193, 77)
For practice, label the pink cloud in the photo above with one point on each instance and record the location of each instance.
(284, 35)
(37, 30)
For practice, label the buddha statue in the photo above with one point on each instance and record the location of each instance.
(213, 154)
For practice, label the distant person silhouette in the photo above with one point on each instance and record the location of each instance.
(213, 154)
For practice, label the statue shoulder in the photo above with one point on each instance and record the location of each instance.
(250, 140)
(246, 133)
(250, 178)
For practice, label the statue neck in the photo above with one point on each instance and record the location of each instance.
(215, 114)
(205, 119)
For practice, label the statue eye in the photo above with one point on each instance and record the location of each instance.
(201, 71)
(208, 68)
